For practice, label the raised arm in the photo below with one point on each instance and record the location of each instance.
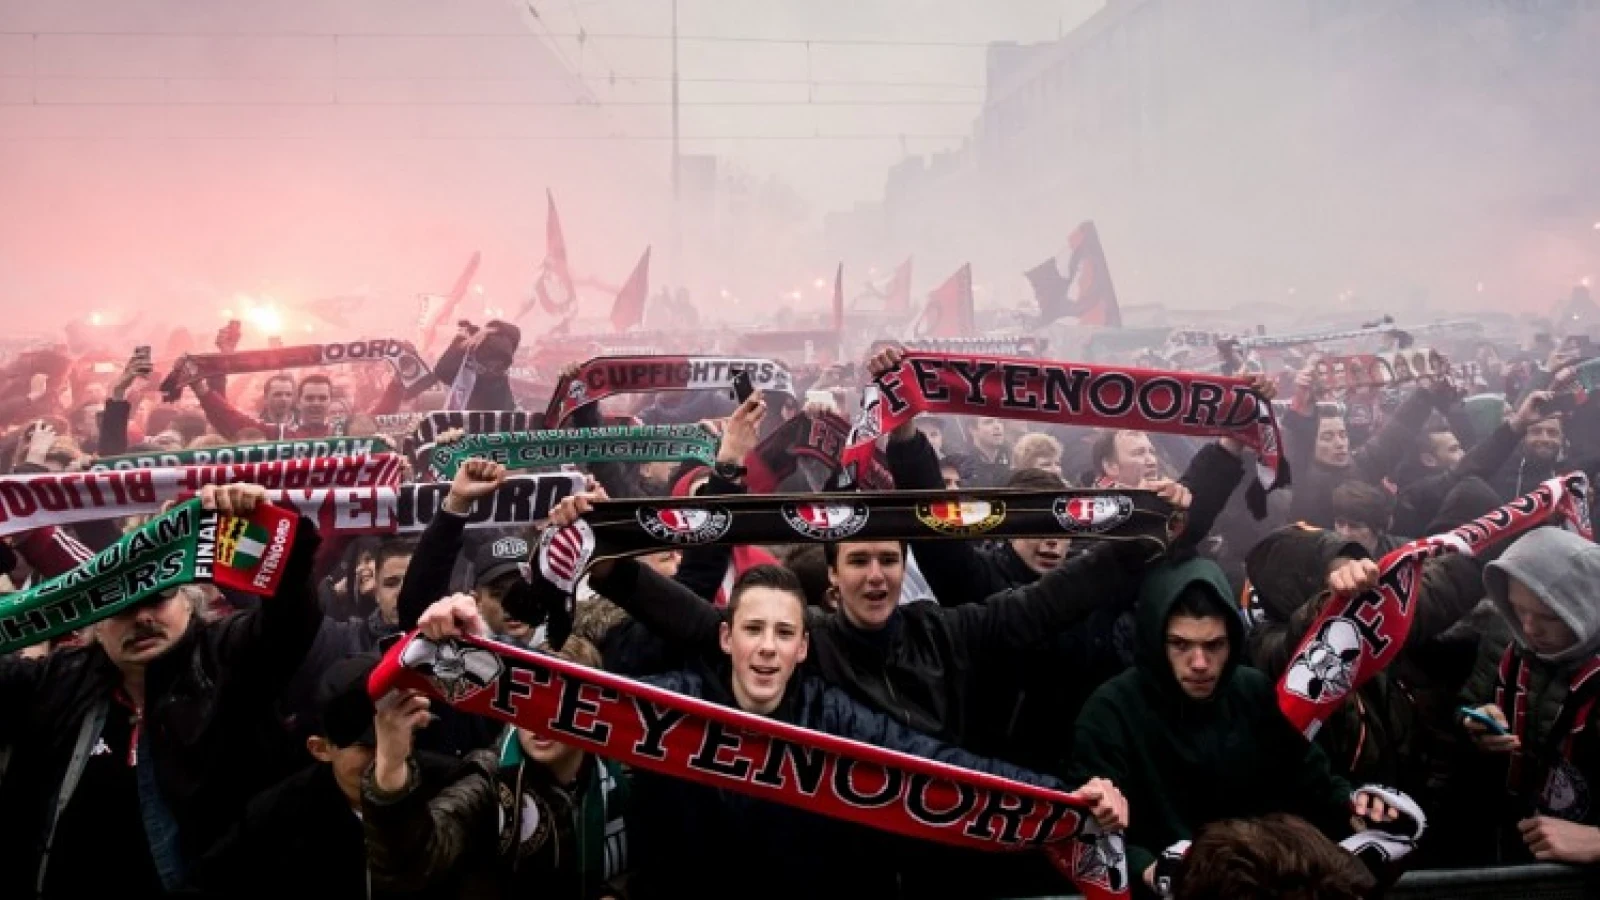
(675, 613)
(223, 416)
(955, 572)
(414, 841)
(428, 576)
(265, 646)
(1012, 621)
(1379, 456)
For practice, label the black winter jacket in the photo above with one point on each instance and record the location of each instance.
(931, 668)
(212, 730)
(693, 841)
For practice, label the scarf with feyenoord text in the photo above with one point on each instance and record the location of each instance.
(818, 438)
(556, 447)
(607, 376)
(619, 528)
(343, 495)
(1356, 637)
(728, 749)
(409, 368)
(271, 451)
(50, 498)
(1067, 393)
(183, 545)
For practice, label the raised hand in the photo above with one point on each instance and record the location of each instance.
(233, 499)
(400, 714)
(1353, 576)
(475, 479)
(743, 430)
(453, 616)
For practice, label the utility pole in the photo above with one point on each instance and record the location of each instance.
(677, 175)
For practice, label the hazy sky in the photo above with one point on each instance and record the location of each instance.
(948, 80)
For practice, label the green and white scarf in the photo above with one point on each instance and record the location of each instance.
(234, 454)
(541, 449)
(184, 545)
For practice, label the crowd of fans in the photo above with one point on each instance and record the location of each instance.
(207, 743)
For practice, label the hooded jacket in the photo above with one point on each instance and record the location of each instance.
(1183, 763)
(1562, 569)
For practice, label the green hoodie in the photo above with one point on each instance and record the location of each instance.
(1184, 763)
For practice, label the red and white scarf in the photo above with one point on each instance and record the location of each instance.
(1069, 393)
(728, 749)
(1356, 637)
(1511, 695)
(606, 376)
(343, 495)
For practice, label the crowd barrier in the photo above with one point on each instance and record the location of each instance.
(1536, 882)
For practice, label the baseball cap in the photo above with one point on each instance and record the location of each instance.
(342, 710)
(499, 557)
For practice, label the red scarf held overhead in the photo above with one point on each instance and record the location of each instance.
(1356, 637)
(1068, 393)
(727, 749)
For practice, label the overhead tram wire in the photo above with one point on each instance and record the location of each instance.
(620, 36)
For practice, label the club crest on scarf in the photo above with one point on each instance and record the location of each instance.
(1326, 669)
(1101, 861)
(1092, 514)
(962, 517)
(826, 521)
(456, 670)
(685, 525)
(564, 553)
(1566, 793)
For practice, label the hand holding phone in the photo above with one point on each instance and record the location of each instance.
(1484, 719)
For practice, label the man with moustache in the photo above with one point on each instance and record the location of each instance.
(129, 756)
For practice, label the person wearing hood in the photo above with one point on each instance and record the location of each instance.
(1192, 736)
(1540, 690)
(686, 839)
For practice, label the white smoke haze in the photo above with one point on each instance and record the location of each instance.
(1305, 158)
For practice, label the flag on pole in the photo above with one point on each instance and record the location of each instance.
(897, 295)
(949, 313)
(628, 310)
(553, 290)
(1094, 302)
(838, 298)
